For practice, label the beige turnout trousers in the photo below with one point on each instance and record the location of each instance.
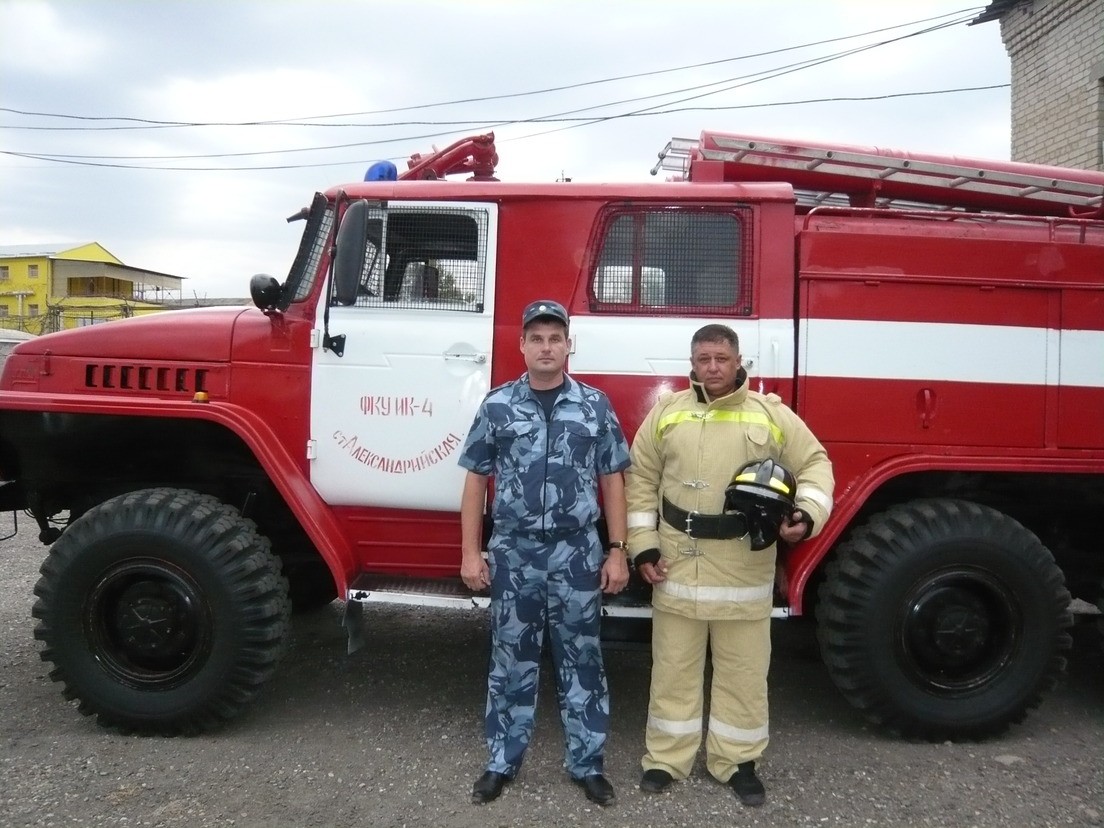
(737, 728)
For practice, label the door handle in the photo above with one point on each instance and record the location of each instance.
(925, 405)
(476, 358)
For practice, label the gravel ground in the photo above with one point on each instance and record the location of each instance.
(390, 736)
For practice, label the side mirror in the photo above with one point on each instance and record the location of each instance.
(352, 241)
(265, 292)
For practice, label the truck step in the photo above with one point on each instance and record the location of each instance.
(451, 593)
(422, 592)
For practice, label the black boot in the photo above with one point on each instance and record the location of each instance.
(488, 787)
(597, 789)
(655, 780)
(746, 785)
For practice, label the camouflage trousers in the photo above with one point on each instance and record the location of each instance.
(555, 584)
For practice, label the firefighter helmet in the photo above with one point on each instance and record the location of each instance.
(763, 492)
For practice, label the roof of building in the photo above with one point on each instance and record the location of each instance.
(12, 335)
(995, 10)
(15, 251)
(56, 251)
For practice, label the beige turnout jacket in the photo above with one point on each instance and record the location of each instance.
(687, 449)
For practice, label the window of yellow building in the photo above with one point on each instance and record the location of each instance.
(32, 271)
(4, 275)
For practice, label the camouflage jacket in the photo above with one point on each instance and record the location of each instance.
(545, 470)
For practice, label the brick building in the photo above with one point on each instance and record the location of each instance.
(1056, 49)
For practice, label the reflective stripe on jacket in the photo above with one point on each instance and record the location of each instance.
(687, 449)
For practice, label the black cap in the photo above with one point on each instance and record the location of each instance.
(544, 309)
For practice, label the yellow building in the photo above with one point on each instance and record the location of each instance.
(46, 288)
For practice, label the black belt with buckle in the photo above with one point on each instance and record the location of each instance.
(706, 527)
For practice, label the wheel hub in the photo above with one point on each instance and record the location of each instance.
(952, 624)
(152, 620)
(957, 630)
(148, 623)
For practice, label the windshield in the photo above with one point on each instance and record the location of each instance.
(316, 236)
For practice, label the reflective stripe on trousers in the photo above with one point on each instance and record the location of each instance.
(738, 723)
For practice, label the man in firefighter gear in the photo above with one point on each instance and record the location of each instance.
(551, 443)
(710, 586)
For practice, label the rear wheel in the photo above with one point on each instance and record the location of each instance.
(162, 610)
(944, 619)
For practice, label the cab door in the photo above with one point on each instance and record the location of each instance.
(390, 414)
(658, 273)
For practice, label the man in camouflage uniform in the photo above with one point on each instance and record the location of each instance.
(551, 444)
(711, 589)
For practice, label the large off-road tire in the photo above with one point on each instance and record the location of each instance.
(163, 611)
(944, 619)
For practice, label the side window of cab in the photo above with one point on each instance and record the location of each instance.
(681, 260)
(425, 258)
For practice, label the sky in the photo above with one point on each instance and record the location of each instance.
(147, 126)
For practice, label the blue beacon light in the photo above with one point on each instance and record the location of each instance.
(382, 171)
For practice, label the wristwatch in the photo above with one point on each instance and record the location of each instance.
(617, 545)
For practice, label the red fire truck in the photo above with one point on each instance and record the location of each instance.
(938, 322)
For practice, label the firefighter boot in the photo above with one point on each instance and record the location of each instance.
(655, 780)
(746, 785)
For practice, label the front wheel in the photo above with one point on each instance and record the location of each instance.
(162, 610)
(944, 619)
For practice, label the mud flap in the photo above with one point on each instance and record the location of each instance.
(353, 622)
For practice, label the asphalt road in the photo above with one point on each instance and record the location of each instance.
(391, 736)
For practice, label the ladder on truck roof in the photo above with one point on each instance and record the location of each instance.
(861, 177)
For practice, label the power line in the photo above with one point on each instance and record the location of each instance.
(959, 17)
(569, 119)
(84, 160)
(559, 117)
(746, 80)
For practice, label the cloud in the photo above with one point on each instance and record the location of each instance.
(40, 40)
